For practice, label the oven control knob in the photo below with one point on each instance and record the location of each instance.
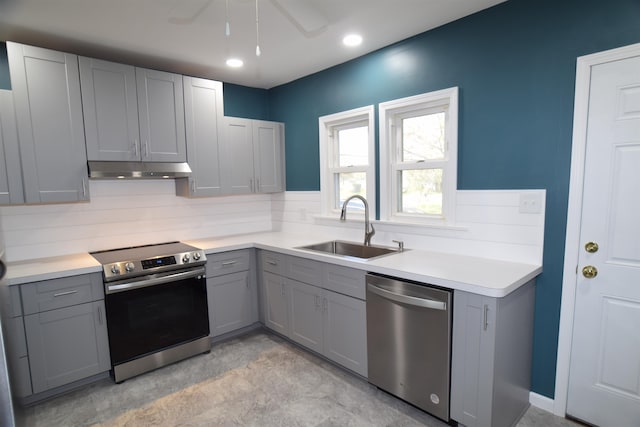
(185, 258)
(115, 269)
(196, 256)
(129, 266)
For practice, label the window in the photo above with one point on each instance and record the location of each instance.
(418, 157)
(347, 159)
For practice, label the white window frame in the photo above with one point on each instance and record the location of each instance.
(328, 125)
(389, 112)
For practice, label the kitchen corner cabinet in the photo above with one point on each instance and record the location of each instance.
(491, 357)
(253, 152)
(11, 191)
(131, 113)
(300, 305)
(231, 292)
(48, 107)
(203, 110)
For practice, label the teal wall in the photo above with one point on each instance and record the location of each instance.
(242, 101)
(5, 82)
(515, 67)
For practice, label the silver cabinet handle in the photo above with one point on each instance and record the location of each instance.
(228, 263)
(257, 185)
(406, 299)
(61, 294)
(270, 262)
(84, 189)
(485, 321)
(135, 148)
(193, 186)
(119, 287)
(251, 185)
(146, 148)
(100, 315)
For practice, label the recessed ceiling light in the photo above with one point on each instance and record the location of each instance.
(352, 40)
(235, 62)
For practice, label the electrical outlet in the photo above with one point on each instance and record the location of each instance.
(531, 203)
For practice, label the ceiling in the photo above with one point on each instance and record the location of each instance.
(296, 37)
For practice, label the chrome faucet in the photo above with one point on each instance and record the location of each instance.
(368, 227)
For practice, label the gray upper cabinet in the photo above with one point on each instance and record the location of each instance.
(203, 110)
(11, 174)
(48, 106)
(161, 113)
(132, 114)
(110, 106)
(253, 151)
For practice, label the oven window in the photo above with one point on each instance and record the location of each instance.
(146, 320)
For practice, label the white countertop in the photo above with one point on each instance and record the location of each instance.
(482, 276)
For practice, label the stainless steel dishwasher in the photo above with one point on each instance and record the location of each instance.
(409, 341)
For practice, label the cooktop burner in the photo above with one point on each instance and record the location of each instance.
(134, 261)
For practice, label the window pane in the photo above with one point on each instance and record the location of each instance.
(421, 191)
(353, 146)
(349, 184)
(423, 137)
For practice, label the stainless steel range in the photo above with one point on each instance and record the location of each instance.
(156, 302)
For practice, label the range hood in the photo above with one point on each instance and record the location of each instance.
(138, 170)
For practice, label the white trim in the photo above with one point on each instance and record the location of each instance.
(326, 179)
(572, 241)
(542, 402)
(386, 112)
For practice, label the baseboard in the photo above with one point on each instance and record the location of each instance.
(542, 402)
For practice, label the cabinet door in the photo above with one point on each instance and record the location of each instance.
(472, 365)
(110, 108)
(203, 110)
(238, 176)
(230, 300)
(276, 314)
(67, 344)
(345, 329)
(305, 306)
(268, 149)
(46, 89)
(161, 114)
(11, 172)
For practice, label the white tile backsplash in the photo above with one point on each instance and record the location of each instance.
(127, 213)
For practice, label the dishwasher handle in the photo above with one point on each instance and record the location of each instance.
(406, 299)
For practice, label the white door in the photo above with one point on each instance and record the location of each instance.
(604, 376)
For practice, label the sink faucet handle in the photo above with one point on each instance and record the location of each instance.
(400, 245)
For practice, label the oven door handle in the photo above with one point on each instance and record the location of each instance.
(154, 281)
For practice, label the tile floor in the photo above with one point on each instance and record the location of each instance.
(256, 380)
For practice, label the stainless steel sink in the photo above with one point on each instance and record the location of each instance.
(350, 249)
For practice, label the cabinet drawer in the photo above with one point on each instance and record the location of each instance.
(64, 292)
(273, 262)
(228, 262)
(344, 280)
(304, 270)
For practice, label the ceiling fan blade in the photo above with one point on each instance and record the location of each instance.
(303, 15)
(184, 13)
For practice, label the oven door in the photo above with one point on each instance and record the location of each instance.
(152, 314)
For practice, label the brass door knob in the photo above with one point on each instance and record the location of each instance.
(591, 247)
(589, 271)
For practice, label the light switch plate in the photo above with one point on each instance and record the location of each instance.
(531, 203)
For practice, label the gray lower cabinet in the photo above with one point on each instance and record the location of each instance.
(132, 113)
(491, 357)
(61, 332)
(11, 191)
(253, 156)
(16, 343)
(203, 110)
(48, 107)
(231, 292)
(301, 303)
(67, 344)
